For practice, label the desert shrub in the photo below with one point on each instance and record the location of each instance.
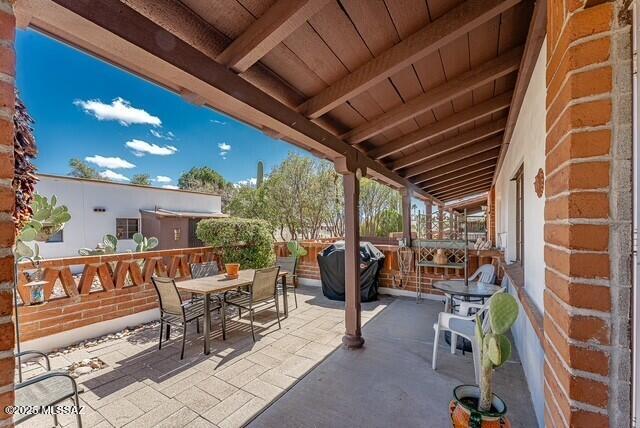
(245, 241)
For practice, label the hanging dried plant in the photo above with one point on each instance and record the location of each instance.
(24, 151)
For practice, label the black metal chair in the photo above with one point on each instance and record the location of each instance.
(289, 264)
(263, 293)
(46, 389)
(173, 311)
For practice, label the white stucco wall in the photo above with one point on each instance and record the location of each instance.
(87, 227)
(527, 148)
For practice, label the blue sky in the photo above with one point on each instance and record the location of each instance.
(85, 108)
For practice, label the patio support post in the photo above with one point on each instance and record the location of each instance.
(440, 221)
(406, 216)
(428, 211)
(351, 174)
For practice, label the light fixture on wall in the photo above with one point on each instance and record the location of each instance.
(176, 234)
(99, 209)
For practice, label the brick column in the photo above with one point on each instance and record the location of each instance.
(588, 215)
(7, 203)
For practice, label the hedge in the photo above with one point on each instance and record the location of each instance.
(241, 240)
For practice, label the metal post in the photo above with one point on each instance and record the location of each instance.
(466, 250)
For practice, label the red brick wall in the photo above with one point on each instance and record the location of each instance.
(7, 198)
(584, 382)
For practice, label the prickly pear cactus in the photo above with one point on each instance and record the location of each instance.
(48, 218)
(503, 312)
(144, 244)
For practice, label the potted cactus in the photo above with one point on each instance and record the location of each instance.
(474, 406)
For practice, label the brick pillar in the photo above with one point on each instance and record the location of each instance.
(588, 215)
(7, 203)
(491, 216)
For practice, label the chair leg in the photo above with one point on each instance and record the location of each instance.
(198, 325)
(184, 337)
(435, 346)
(223, 321)
(454, 342)
(161, 331)
(278, 312)
(239, 313)
(55, 420)
(251, 318)
(77, 402)
(476, 361)
(295, 297)
(168, 334)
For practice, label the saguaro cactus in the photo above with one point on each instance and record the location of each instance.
(494, 344)
(260, 174)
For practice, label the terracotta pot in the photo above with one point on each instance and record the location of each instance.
(465, 414)
(440, 257)
(35, 292)
(232, 269)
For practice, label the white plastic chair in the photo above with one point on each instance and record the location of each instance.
(460, 325)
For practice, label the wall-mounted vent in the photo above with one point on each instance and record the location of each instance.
(99, 209)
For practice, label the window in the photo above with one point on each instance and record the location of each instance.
(56, 237)
(519, 179)
(126, 228)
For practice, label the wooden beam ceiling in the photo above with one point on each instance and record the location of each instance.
(465, 186)
(463, 164)
(464, 181)
(463, 193)
(454, 156)
(535, 38)
(459, 174)
(275, 25)
(473, 79)
(117, 20)
(444, 30)
(464, 139)
(453, 121)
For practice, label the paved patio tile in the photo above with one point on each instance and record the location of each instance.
(217, 387)
(296, 366)
(243, 414)
(315, 350)
(184, 384)
(263, 389)
(120, 412)
(263, 359)
(181, 418)
(201, 422)
(277, 378)
(110, 392)
(197, 400)
(157, 415)
(228, 406)
(147, 398)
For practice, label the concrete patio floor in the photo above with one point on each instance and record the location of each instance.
(145, 387)
(390, 383)
(289, 377)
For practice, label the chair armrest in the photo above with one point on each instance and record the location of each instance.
(44, 376)
(42, 354)
(444, 318)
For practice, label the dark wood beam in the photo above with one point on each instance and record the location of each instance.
(471, 194)
(453, 121)
(454, 156)
(275, 25)
(468, 191)
(535, 38)
(473, 79)
(464, 181)
(444, 30)
(464, 139)
(460, 187)
(100, 19)
(456, 175)
(456, 166)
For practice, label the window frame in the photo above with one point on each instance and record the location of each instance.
(128, 233)
(56, 241)
(518, 178)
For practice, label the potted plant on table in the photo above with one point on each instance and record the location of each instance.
(479, 407)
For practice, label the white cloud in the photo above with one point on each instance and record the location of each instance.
(224, 149)
(248, 182)
(170, 186)
(163, 136)
(163, 179)
(112, 175)
(109, 162)
(141, 148)
(120, 110)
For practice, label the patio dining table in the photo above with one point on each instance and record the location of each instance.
(218, 284)
(457, 287)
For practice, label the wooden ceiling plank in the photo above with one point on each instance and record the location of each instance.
(483, 181)
(441, 147)
(475, 78)
(471, 194)
(448, 123)
(454, 156)
(275, 25)
(463, 192)
(463, 164)
(533, 45)
(441, 32)
(468, 180)
(123, 24)
(457, 175)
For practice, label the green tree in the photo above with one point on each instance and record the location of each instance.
(207, 180)
(141, 179)
(81, 169)
(377, 205)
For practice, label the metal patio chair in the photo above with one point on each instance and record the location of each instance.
(462, 325)
(289, 264)
(173, 311)
(46, 389)
(262, 295)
